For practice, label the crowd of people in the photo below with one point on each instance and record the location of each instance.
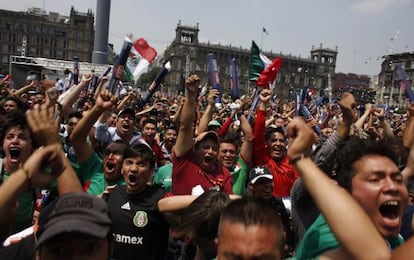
(88, 174)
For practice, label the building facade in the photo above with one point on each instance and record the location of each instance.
(188, 55)
(388, 85)
(35, 33)
(359, 85)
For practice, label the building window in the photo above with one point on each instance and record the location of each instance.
(5, 36)
(5, 59)
(59, 54)
(32, 51)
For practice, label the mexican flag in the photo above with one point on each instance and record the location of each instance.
(141, 55)
(268, 75)
(258, 62)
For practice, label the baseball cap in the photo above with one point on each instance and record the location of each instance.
(74, 212)
(259, 172)
(210, 134)
(127, 110)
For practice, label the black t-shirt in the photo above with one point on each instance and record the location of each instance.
(23, 250)
(139, 229)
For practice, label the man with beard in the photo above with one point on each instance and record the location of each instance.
(139, 229)
(270, 150)
(195, 167)
(94, 175)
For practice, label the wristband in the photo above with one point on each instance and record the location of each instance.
(299, 158)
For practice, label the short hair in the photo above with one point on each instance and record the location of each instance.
(201, 218)
(19, 103)
(15, 118)
(140, 150)
(231, 137)
(354, 149)
(251, 211)
(149, 121)
(75, 114)
(271, 129)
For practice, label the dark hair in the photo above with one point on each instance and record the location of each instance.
(76, 114)
(140, 150)
(230, 137)
(251, 211)
(201, 218)
(270, 130)
(15, 118)
(149, 121)
(19, 103)
(354, 149)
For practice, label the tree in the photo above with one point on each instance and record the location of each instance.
(146, 78)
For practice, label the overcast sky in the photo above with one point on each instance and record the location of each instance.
(363, 30)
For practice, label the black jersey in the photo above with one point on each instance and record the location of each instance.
(139, 229)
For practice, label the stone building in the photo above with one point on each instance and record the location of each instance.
(388, 86)
(188, 55)
(35, 33)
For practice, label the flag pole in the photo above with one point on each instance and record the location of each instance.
(261, 41)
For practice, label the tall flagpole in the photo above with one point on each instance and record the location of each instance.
(261, 40)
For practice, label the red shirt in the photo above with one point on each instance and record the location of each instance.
(187, 174)
(284, 174)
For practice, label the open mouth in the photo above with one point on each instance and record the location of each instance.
(208, 159)
(14, 153)
(390, 210)
(125, 126)
(132, 179)
(110, 166)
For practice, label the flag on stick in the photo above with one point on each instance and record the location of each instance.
(214, 77)
(308, 116)
(234, 80)
(256, 63)
(141, 55)
(268, 75)
(120, 66)
(254, 104)
(156, 82)
(403, 78)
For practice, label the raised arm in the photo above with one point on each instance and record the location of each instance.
(388, 132)
(73, 94)
(206, 117)
(259, 128)
(31, 174)
(359, 124)
(356, 233)
(185, 133)
(408, 132)
(78, 137)
(44, 129)
(246, 151)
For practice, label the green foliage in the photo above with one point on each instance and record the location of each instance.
(146, 78)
